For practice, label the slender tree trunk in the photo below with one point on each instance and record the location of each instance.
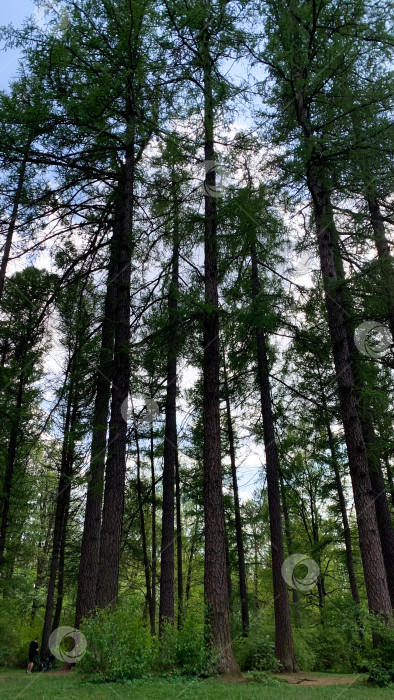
(154, 546)
(88, 566)
(10, 466)
(370, 545)
(289, 542)
(215, 583)
(390, 479)
(284, 649)
(112, 518)
(12, 222)
(42, 555)
(63, 496)
(60, 573)
(237, 511)
(193, 548)
(166, 608)
(342, 506)
(179, 541)
(385, 259)
(143, 529)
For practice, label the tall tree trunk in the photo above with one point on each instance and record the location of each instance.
(10, 466)
(166, 607)
(12, 222)
(43, 550)
(342, 506)
(179, 541)
(63, 496)
(390, 479)
(383, 515)
(215, 583)
(370, 545)
(60, 572)
(289, 542)
(111, 527)
(385, 259)
(143, 528)
(88, 565)
(154, 546)
(193, 548)
(284, 649)
(237, 511)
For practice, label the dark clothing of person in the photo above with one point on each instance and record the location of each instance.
(33, 648)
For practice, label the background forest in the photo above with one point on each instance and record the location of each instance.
(196, 336)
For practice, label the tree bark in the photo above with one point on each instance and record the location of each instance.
(218, 631)
(385, 259)
(284, 649)
(112, 518)
(10, 466)
(143, 529)
(88, 566)
(166, 607)
(383, 515)
(63, 497)
(154, 546)
(342, 506)
(11, 225)
(289, 542)
(370, 545)
(237, 512)
(179, 541)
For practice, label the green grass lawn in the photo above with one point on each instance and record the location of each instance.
(17, 684)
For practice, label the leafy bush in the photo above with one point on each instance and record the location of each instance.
(381, 667)
(119, 644)
(15, 635)
(381, 675)
(256, 652)
(183, 652)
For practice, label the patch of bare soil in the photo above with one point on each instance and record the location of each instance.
(313, 679)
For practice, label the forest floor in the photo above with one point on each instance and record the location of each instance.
(15, 685)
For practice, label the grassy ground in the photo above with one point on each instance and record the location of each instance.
(47, 686)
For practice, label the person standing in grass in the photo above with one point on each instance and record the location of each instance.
(33, 650)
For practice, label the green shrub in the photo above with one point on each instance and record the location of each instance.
(381, 675)
(183, 652)
(15, 635)
(256, 652)
(119, 644)
(381, 665)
